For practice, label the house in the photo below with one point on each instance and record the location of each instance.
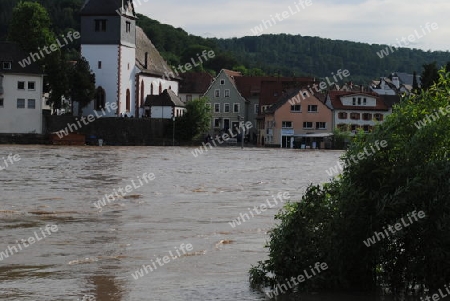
(356, 110)
(299, 119)
(385, 86)
(126, 64)
(228, 106)
(21, 91)
(194, 85)
(166, 105)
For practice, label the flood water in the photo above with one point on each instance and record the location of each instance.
(190, 202)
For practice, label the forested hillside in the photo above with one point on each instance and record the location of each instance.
(271, 54)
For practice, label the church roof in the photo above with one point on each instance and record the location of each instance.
(156, 65)
(167, 98)
(108, 8)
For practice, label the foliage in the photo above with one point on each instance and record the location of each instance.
(332, 221)
(341, 138)
(195, 122)
(82, 83)
(429, 75)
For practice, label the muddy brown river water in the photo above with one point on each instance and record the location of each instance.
(175, 224)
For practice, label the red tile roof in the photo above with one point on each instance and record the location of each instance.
(335, 98)
(195, 82)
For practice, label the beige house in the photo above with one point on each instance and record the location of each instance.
(298, 120)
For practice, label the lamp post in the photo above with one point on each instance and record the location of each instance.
(173, 131)
(242, 133)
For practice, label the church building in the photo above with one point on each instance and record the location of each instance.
(126, 64)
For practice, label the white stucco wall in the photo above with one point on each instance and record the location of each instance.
(26, 120)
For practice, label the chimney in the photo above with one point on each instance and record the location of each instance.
(146, 61)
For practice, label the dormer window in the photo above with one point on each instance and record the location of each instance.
(6, 65)
(100, 25)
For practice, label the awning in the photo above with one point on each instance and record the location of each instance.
(314, 135)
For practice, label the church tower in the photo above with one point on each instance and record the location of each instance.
(108, 42)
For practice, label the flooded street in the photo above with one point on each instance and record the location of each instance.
(177, 223)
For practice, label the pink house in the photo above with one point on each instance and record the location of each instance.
(298, 120)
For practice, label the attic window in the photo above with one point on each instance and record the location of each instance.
(222, 82)
(7, 65)
(100, 25)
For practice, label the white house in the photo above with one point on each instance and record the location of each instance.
(356, 110)
(164, 106)
(20, 92)
(126, 64)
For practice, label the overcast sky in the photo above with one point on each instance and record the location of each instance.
(367, 21)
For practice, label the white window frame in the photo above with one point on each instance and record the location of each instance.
(321, 128)
(305, 125)
(19, 82)
(216, 93)
(225, 106)
(31, 101)
(34, 86)
(311, 106)
(238, 106)
(217, 126)
(284, 124)
(293, 110)
(222, 82)
(217, 107)
(7, 65)
(227, 93)
(21, 100)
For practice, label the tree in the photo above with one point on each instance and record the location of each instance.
(415, 85)
(82, 83)
(429, 75)
(334, 221)
(195, 122)
(30, 29)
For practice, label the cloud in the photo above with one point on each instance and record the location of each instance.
(367, 21)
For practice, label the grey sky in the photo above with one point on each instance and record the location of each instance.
(368, 21)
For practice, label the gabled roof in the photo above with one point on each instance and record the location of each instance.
(231, 75)
(293, 93)
(10, 52)
(407, 79)
(167, 98)
(195, 82)
(156, 65)
(108, 8)
(335, 98)
(391, 100)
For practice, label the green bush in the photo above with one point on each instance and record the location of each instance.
(331, 221)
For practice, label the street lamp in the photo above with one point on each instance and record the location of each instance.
(173, 131)
(242, 133)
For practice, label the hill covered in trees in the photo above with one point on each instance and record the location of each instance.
(281, 54)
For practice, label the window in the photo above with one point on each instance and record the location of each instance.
(286, 124)
(307, 125)
(359, 101)
(100, 99)
(128, 101)
(99, 64)
(354, 101)
(296, 108)
(236, 108)
(378, 117)
(342, 115)
(188, 97)
(31, 104)
(217, 122)
(365, 101)
(100, 25)
(354, 127)
(312, 108)
(222, 82)
(217, 108)
(128, 26)
(21, 85)
(21, 103)
(31, 86)
(1, 102)
(227, 93)
(367, 116)
(217, 93)
(256, 109)
(321, 125)
(226, 124)
(7, 65)
(226, 108)
(354, 116)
